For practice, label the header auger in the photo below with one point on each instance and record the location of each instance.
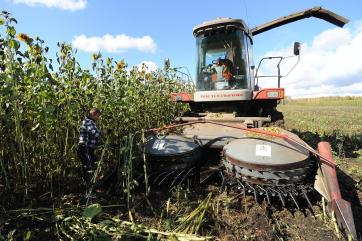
(227, 122)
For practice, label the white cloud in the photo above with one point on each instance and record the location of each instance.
(62, 4)
(332, 38)
(330, 66)
(114, 44)
(149, 66)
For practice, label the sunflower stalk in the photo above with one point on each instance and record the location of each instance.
(97, 171)
(144, 161)
(192, 222)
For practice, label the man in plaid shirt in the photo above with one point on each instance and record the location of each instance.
(88, 139)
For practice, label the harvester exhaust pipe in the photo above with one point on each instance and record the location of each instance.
(336, 204)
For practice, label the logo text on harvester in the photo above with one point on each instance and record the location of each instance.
(221, 95)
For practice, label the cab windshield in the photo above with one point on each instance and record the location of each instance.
(222, 62)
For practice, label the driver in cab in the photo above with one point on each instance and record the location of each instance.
(223, 71)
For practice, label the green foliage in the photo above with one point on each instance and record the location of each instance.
(92, 211)
(41, 109)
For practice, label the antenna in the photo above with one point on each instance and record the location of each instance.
(246, 12)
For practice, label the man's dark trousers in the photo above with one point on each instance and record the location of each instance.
(86, 155)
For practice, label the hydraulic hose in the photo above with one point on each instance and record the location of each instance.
(323, 159)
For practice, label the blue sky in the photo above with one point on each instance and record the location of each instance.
(153, 30)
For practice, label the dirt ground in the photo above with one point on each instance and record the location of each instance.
(230, 216)
(244, 219)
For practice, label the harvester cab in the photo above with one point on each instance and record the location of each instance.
(215, 137)
(225, 77)
(223, 62)
(226, 74)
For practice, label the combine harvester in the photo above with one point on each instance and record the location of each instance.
(227, 119)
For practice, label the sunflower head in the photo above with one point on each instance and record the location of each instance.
(36, 49)
(96, 56)
(25, 38)
(121, 65)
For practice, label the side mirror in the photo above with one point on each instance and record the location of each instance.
(296, 48)
(166, 63)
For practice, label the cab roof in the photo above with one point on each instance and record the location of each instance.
(220, 24)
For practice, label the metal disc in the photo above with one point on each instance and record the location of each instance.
(266, 155)
(170, 145)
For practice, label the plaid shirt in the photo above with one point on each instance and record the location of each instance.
(89, 134)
